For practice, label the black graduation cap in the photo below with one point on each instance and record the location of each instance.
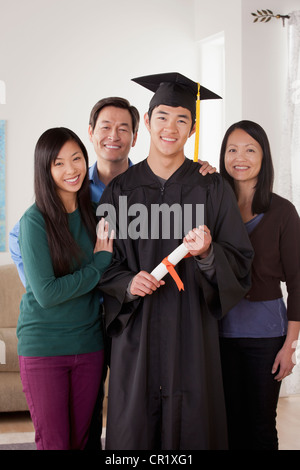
(174, 89)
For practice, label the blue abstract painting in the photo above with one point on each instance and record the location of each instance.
(2, 186)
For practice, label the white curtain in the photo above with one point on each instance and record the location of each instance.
(289, 181)
(289, 164)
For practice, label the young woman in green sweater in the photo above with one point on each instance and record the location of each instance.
(60, 342)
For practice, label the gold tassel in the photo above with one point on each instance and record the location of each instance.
(197, 125)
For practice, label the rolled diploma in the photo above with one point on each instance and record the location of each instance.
(160, 271)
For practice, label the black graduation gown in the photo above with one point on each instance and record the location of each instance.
(165, 389)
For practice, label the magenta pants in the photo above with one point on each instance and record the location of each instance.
(61, 392)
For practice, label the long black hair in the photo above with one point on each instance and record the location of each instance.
(63, 248)
(264, 186)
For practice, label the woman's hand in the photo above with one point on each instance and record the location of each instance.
(104, 242)
(206, 168)
(198, 241)
(285, 359)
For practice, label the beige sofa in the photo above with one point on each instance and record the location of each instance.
(12, 397)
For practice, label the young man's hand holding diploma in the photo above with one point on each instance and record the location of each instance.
(144, 283)
(197, 242)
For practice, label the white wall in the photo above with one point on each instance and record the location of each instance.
(58, 57)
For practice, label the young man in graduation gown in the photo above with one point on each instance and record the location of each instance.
(165, 389)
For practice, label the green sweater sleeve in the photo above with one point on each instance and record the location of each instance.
(47, 289)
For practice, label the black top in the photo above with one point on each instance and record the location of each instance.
(276, 243)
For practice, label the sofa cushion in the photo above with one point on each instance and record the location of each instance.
(9, 361)
(12, 397)
(11, 291)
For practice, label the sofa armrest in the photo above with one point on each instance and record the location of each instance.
(9, 361)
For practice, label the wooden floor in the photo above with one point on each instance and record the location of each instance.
(288, 423)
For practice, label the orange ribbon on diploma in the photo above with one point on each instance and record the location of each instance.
(168, 265)
(171, 269)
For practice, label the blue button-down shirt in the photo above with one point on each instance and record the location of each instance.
(96, 185)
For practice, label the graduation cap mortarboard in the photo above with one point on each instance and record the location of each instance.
(174, 89)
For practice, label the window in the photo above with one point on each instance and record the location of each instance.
(211, 74)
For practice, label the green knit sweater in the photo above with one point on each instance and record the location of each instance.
(58, 316)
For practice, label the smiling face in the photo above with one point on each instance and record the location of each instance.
(113, 136)
(68, 171)
(169, 129)
(243, 157)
